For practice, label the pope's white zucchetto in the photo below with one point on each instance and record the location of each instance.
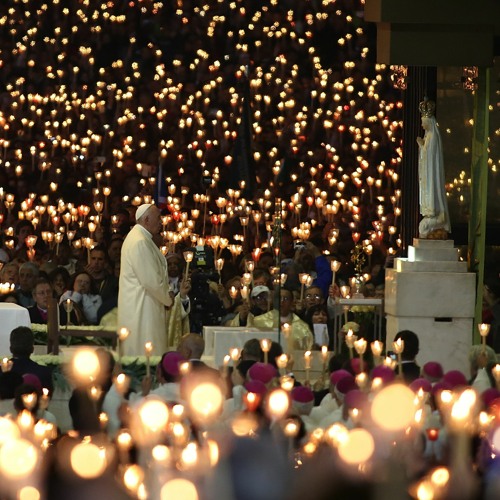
(142, 210)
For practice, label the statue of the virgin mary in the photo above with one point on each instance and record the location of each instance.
(435, 221)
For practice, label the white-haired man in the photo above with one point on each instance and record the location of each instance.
(144, 297)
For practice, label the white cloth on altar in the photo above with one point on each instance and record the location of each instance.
(11, 316)
(143, 293)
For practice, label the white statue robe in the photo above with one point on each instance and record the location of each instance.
(143, 293)
(433, 203)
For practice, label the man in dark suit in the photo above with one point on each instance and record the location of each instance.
(410, 368)
(21, 347)
(42, 293)
(191, 347)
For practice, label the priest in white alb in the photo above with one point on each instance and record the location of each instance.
(144, 298)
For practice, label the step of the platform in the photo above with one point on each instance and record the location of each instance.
(432, 254)
(405, 265)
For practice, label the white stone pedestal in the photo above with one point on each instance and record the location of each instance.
(432, 294)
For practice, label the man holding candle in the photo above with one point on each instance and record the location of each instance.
(258, 304)
(409, 367)
(143, 298)
(302, 338)
(42, 293)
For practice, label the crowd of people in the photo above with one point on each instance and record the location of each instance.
(207, 428)
(270, 141)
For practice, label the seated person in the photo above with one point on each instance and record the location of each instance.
(320, 325)
(191, 347)
(252, 351)
(313, 296)
(169, 376)
(43, 293)
(28, 276)
(59, 279)
(83, 295)
(301, 335)
(21, 347)
(258, 303)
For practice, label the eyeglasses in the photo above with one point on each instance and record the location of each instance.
(313, 296)
(262, 296)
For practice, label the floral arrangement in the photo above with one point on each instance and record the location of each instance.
(350, 325)
(133, 366)
(358, 258)
(362, 309)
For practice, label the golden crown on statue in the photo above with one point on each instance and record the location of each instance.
(427, 108)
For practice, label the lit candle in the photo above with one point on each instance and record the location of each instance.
(68, 306)
(278, 402)
(282, 363)
(235, 354)
(377, 347)
(496, 374)
(287, 332)
(6, 365)
(148, 349)
(484, 329)
(121, 382)
(307, 365)
(123, 334)
(360, 346)
(233, 292)
(265, 345)
(44, 400)
(303, 277)
(225, 365)
(335, 266)
(219, 264)
(324, 356)
(350, 338)
(398, 347)
(188, 257)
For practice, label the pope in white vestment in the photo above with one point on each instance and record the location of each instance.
(143, 296)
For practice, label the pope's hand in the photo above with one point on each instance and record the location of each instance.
(185, 288)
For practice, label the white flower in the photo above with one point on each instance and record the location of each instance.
(350, 325)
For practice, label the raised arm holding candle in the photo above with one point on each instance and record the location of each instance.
(335, 266)
(307, 367)
(377, 347)
(188, 257)
(148, 349)
(484, 329)
(350, 338)
(301, 335)
(265, 345)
